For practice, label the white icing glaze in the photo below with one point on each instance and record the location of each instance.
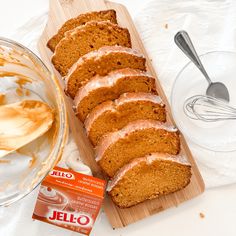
(106, 50)
(141, 97)
(107, 81)
(103, 51)
(124, 98)
(130, 128)
(181, 159)
(149, 159)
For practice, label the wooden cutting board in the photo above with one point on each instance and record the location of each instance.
(62, 10)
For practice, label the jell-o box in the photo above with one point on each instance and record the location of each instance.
(70, 200)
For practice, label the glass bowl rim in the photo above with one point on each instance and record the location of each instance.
(63, 120)
(172, 95)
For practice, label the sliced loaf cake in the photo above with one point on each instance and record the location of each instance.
(110, 87)
(149, 177)
(114, 115)
(86, 38)
(101, 62)
(81, 20)
(137, 139)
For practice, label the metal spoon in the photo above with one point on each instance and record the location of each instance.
(217, 89)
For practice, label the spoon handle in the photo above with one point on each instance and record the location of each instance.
(184, 42)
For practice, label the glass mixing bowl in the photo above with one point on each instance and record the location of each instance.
(23, 76)
(215, 136)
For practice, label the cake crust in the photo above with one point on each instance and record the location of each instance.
(86, 38)
(149, 177)
(101, 62)
(111, 116)
(137, 139)
(78, 21)
(110, 87)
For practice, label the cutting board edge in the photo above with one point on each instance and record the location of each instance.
(200, 180)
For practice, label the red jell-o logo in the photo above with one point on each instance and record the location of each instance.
(61, 174)
(70, 200)
(71, 218)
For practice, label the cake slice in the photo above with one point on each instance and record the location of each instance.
(101, 62)
(149, 177)
(137, 139)
(110, 87)
(86, 38)
(81, 20)
(114, 115)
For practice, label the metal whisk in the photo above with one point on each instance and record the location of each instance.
(209, 109)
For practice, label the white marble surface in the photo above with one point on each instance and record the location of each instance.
(218, 205)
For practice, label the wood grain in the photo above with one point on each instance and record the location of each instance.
(60, 11)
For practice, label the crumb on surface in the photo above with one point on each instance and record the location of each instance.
(166, 26)
(201, 215)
